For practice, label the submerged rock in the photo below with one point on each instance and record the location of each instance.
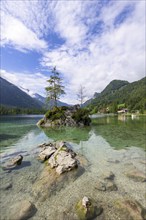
(7, 186)
(87, 209)
(111, 186)
(107, 185)
(100, 186)
(107, 182)
(130, 210)
(136, 175)
(109, 175)
(16, 161)
(22, 210)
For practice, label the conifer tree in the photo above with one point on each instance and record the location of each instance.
(55, 88)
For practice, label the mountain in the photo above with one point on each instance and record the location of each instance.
(12, 96)
(113, 86)
(133, 95)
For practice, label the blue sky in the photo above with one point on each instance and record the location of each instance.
(90, 42)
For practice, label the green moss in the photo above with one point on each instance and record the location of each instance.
(55, 113)
(87, 213)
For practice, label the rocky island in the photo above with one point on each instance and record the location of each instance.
(65, 116)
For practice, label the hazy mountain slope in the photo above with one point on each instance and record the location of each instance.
(11, 95)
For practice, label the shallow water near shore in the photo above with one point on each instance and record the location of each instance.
(110, 144)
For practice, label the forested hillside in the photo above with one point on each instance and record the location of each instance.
(132, 95)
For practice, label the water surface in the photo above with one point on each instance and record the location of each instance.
(109, 138)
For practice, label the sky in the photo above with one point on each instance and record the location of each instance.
(90, 42)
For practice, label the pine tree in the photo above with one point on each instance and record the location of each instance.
(55, 88)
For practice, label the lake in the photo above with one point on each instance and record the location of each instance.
(108, 139)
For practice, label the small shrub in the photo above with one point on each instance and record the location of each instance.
(82, 116)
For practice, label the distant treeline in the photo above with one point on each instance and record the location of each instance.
(15, 111)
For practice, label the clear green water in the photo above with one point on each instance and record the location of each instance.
(119, 132)
(96, 143)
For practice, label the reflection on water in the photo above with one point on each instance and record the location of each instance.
(68, 134)
(122, 117)
(12, 128)
(121, 131)
(94, 143)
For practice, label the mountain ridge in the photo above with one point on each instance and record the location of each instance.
(120, 91)
(22, 98)
(13, 96)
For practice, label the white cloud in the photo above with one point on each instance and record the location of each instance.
(118, 53)
(15, 32)
(92, 55)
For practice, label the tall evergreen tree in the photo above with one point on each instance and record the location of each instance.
(55, 88)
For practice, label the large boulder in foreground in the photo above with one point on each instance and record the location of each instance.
(65, 116)
(59, 155)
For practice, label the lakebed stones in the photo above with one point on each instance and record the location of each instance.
(22, 210)
(130, 210)
(14, 162)
(136, 175)
(88, 209)
(107, 182)
(6, 186)
(108, 175)
(107, 185)
(59, 156)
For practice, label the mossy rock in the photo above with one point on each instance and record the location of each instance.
(55, 113)
(88, 213)
(65, 116)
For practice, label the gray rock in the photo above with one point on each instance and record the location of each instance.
(65, 162)
(46, 153)
(16, 161)
(52, 162)
(109, 175)
(100, 186)
(111, 186)
(7, 186)
(22, 210)
(63, 159)
(136, 175)
(106, 185)
(130, 210)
